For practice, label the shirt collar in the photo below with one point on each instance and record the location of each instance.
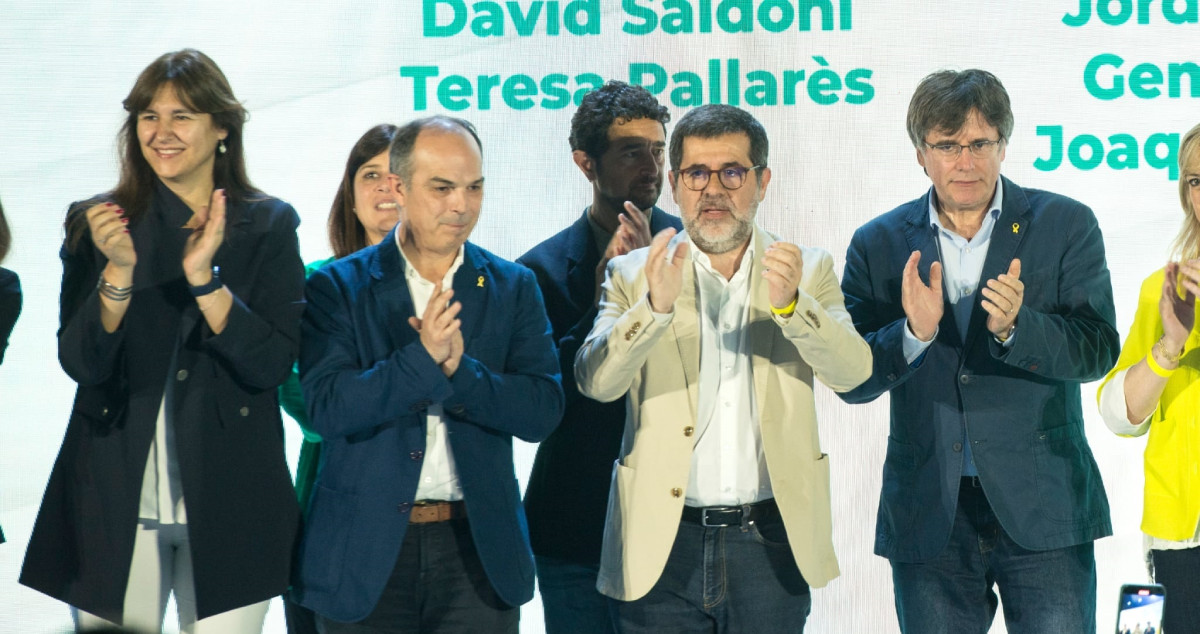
(993, 210)
(410, 271)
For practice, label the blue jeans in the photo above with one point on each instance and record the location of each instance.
(728, 579)
(1043, 591)
(437, 585)
(570, 600)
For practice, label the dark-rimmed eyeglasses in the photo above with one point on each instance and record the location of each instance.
(732, 177)
(951, 151)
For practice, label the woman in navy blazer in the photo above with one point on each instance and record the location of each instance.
(180, 308)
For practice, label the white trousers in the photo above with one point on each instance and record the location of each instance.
(162, 562)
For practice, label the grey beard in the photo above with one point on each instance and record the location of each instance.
(741, 232)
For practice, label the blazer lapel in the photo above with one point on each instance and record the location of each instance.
(390, 293)
(686, 329)
(763, 330)
(471, 284)
(1010, 229)
(582, 259)
(923, 237)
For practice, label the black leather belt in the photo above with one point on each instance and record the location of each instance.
(720, 516)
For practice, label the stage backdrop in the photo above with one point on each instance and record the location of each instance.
(1101, 90)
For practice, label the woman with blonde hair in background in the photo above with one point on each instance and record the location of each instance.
(1155, 388)
(180, 314)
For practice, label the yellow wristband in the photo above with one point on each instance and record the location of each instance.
(1152, 363)
(787, 310)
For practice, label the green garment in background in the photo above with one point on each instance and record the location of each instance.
(292, 401)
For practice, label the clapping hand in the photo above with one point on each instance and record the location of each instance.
(206, 238)
(923, 305)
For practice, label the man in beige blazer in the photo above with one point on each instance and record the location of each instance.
(719, 511)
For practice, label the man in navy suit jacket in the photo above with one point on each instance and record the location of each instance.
(618, 137)
(421, 358)
(988, 480)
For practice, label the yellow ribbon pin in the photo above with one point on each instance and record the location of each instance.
(479, 282)
(1016, 227)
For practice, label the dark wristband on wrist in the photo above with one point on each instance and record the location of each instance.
(212, 285)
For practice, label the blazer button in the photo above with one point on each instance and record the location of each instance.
(458, 410)
(689, 430)
(417, 455)
(957, 446)
(181, 375)
(245, 411)
(404, 507)
(891, 377)
(965, 379)
(676, 492)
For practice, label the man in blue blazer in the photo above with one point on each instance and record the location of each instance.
(421, 358)
(988, 479)
(618, 138)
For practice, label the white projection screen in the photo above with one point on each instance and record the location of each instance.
(1102, 90)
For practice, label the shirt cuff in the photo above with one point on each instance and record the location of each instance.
(1115, 411)
(913, 347)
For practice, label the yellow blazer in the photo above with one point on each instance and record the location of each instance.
(658, 365)
(1171, 500)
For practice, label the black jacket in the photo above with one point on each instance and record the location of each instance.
(242, 514)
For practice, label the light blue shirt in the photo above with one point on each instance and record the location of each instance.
(962, 266)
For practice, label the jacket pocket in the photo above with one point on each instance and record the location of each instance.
(330, 524)
(1068, 481)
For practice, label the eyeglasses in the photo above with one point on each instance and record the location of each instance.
(951, 151)
(696, 178)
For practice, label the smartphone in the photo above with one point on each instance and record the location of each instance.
(1140, 609)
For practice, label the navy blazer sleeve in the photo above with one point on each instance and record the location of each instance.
(523, 397)
(517, 395)
(1066, 331)
(342, 395)
(874, 306)
(1066, 327)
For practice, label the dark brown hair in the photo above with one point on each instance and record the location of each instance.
(202, 87)
(944, 99)
(346, 233)
(617, 102)
(5, 235)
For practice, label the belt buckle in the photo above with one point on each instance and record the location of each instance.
(745, 509)
(746, 521)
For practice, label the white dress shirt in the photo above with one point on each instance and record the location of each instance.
(439, 478)
(728, 466)
(162, 491)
